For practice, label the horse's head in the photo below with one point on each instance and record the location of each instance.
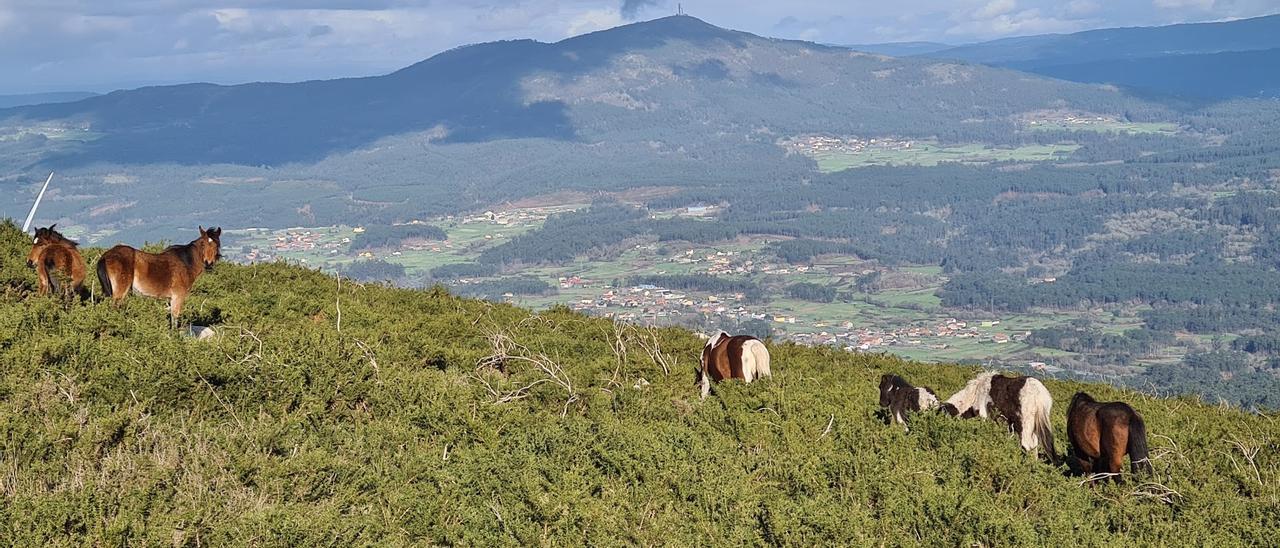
(886, 388)
(43, 238)
(209, 246)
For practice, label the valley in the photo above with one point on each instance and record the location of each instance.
(869, 307)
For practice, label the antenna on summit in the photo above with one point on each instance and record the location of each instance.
(679, 9)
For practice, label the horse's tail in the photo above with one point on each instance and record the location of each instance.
(104, 278)
(761, 355)
(1044, 430)
(1139, 457)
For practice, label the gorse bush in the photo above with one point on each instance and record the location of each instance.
(335, 413)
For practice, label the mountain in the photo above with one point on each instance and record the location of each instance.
(1197, 75)
(633, 83)
(1156, 59)
(24, 99)
(901, 49)
(330, 412)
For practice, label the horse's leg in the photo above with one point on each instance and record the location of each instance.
(121, 285)
(175, 308)
(1115, 444)
(42, 272)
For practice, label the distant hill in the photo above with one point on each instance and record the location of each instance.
(1145, 58)
(901, 49)
(24, 99)
(676, 79)
(1208, 75)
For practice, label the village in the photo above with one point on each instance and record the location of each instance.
(822, 144)
(587, 290)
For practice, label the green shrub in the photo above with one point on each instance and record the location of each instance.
(337, 414)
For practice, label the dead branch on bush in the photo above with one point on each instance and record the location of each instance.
(1249, 449)
(1098, 476)
(646, 338)
(373, 360)
(506, 351)
(1153, 490)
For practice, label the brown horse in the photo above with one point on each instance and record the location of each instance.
(52, 252)
(170, 273)
(724, 357)
(897, 397)
(1101, 433)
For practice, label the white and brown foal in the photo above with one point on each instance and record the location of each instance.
(725, 357)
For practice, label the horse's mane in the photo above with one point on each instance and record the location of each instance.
(968, 396)
(1081, 397)
(185, 252)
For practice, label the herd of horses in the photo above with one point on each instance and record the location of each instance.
(1100, 433)
(168, 274)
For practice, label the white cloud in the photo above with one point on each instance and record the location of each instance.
(593, 20)
(1204, 5)
(995, 8)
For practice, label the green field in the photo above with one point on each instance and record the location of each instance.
(1108, 126)
(931, 154)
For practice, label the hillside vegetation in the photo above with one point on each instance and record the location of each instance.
(332, 413)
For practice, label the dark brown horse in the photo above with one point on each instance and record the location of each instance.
(724, 357)
(897, 397)
(170, 273)
(1101, 433)
(52, 252)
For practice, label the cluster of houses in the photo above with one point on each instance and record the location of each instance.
(732, 262)
(815, 144)
(867, 339)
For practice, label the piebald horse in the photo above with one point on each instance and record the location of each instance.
(170, 273)
(898, 397)
(1101, 433)
(1022, 401)
(725, 357)
(52, 252)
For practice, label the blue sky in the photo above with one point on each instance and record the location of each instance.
(98, 45)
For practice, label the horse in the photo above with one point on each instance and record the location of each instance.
(898, 397)
(52, 252)
(1022, 401)
(170, 273)
(725, 357)
(1101, 433)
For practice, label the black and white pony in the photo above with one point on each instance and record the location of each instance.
(898, 397)
(1022, 401)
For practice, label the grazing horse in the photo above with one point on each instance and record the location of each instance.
(1022, 401)
(52, 252)
(1101, 433)
(898, 397)
(170, 273)
(724, 357)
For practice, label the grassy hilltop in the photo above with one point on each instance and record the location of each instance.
(331, 413)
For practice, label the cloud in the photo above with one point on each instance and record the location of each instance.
(1204, 5)
(995, 8)
(631, 8)
(593, 20)
(319, 30)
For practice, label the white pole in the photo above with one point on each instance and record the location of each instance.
(27, 225)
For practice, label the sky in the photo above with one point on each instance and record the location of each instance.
(100, 45)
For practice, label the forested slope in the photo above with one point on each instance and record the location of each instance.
(330, 413)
